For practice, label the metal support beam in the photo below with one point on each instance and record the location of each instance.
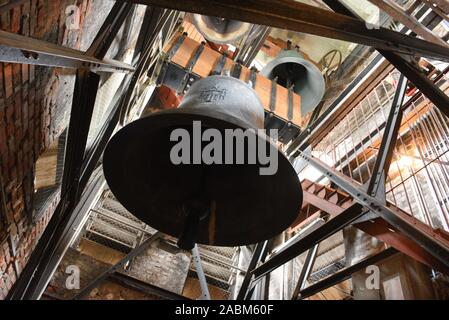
(376, 187)
(149, 24)
(71, 230)
(442, 4)
(296, 16)
(86, 87)
(346, 273)
(428, 242)
(419, 79)
(302, 141)
(395, 11)
(309, 240)
(305, 271)
(38, 269)
(255, 259)
(84, 97)
(15, 48)
(105, 274)
(205, 295)
(411, 72)
(111, 26)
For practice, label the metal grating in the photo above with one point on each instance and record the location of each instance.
(327, 271)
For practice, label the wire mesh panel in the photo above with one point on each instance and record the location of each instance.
(418, 179)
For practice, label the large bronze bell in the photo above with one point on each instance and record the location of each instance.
(291, 69)
(221, 30)
(215, 204)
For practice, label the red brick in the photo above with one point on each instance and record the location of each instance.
(5, 22)
(7, 79)
(15, 20)
(16, 76)
(25, 73)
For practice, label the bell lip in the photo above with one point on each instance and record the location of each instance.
(227, 38)
(283, 59)
(218, 117)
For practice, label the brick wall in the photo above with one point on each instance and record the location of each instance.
(34, 110)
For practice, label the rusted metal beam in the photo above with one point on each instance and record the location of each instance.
(442, 4)
(16, 48)
(437, 10)
(309, 240)
(111, 26)
(395, 11)
(296, 16)
(386, 233)
(322, 204)
(430, 241)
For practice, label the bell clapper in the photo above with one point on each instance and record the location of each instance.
(196, 210)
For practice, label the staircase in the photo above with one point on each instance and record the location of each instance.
(326, 203)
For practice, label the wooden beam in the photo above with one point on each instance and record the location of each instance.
(296, 16)
(395, 11)
(437, 10)
(442, 4)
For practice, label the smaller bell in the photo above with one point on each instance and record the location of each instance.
(291, 69)
(221, 30)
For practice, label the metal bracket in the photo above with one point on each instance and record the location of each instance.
(253, 77)
(220, 65)
(187, 81)
(236, 70)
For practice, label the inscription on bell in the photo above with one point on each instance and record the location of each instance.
(213, 94)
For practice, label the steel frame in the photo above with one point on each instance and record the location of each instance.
(376, 187)
(280, 13)
(295, 16)
(413, 74)
(119, 265)
(305, 271)
(259, 252)
(428, 243)
(344, 274)
(411, 71)
(309, 240)
(35, 275)
(71, 229)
